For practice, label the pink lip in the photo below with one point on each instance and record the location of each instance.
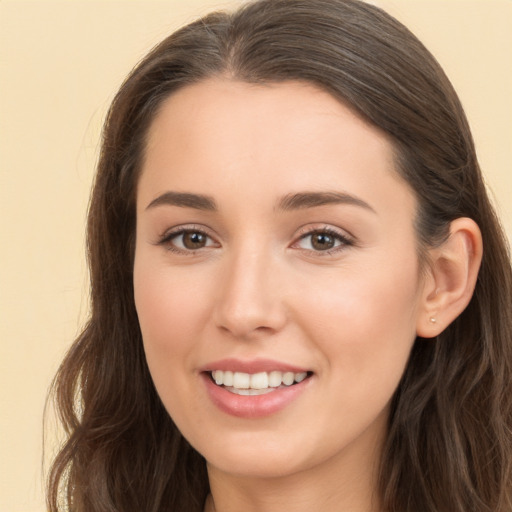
(255, 406)
(253, 366)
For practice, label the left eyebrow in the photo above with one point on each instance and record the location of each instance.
(302, 200)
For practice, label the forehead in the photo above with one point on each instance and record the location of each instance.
(224, 133)
(209, 102)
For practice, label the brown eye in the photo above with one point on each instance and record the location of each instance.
(193, 240)
(187, 241)
(322, 241)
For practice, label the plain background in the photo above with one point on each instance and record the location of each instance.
(60, 65)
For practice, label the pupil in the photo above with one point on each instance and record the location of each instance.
(193, 240)
(323, 242)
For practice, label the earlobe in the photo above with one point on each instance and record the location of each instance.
(451, 278)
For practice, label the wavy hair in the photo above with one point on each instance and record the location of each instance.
(449, 446)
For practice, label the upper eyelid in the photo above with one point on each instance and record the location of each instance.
(309, 230)
(183, 228)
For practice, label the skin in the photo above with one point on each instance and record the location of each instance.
(258, 288)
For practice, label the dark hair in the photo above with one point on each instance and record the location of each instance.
(449, 445)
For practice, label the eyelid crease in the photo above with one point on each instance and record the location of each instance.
(325, 228)
(183, 228)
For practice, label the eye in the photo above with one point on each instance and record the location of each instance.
(190, 240)
(323, 240)
(187, 240)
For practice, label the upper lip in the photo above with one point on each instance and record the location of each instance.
(251, 366)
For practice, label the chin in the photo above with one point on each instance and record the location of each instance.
(257, 466)
(259, 458)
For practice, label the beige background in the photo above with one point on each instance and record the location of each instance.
(60, 64)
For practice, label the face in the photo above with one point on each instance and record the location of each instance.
(276, 275)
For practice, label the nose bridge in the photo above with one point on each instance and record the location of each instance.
(249, 301)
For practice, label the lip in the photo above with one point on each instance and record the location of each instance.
(252, 366)
(252, 406)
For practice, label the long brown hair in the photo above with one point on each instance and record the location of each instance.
(449, 447)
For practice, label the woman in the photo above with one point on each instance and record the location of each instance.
(300, 292)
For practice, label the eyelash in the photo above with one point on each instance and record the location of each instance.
(167, 239)
(344, 241)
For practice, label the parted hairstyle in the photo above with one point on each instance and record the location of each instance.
(449, 442)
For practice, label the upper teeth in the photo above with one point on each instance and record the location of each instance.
(260, 380)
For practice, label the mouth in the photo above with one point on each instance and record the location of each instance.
(254, 384)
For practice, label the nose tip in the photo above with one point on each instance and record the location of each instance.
(246, 331)
(250, 303)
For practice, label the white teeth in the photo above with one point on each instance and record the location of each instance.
(241, 380)
(259, 380)
(275, 379)
(218, 377)
(288, 378)
(228, 378)
(250, 392)
(299, 377)
(256, 381)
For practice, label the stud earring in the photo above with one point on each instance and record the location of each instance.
(432, 319)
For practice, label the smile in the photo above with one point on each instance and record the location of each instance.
(254, 389)
(248, 384)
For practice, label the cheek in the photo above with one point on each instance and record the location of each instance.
(365, 324)
(168, 306)
(366, 301)
(170, 311)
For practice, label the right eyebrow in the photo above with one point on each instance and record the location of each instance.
(184, 200)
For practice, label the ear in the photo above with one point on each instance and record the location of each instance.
(451, 278)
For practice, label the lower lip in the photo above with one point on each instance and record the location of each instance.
(255, 406)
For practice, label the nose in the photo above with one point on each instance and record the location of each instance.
(251, 301)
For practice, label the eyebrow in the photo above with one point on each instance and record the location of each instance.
(303, 200)
(184, 200)
(297, 201)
